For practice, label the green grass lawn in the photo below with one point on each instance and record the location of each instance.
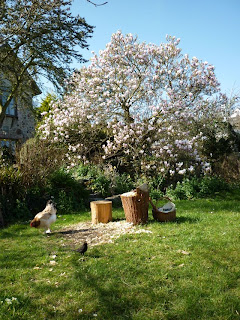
(188, 269)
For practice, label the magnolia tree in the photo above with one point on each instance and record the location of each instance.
(139, 103)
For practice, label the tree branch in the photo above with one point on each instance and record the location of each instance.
(97, 5)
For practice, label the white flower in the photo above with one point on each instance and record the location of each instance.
(183, 171)
(8, 301)
(191, 168)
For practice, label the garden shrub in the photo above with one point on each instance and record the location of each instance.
(210, 186)
(6, 156)
(96, 180)
(228, 167)
(105, 181)
(204, 187)
(69, 194)
(21, 202)
(37, 159)
(11, 193)
(122, 183)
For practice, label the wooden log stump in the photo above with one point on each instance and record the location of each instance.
(101, 211)
(135, 205)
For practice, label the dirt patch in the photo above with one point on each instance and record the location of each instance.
(100, 233)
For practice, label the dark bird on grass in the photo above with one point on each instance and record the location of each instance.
(83, 248)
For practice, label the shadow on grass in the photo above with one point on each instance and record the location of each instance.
(114, 303)
(72, 231)
(180, 219)
(187, 220)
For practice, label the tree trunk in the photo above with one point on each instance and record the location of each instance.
(2, 190)
(101, 211)
(135, 204)
(1, 218)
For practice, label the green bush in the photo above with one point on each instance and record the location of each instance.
(212, 185)
(10, 191)
(104, 181)
(69, 194)
(156, 185)
(122, 183)
(96, 180)
(198, 188)
(21, 202)
(6, 156)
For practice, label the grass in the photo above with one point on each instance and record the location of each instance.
(189, 269)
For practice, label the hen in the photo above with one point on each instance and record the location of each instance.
(45, 218)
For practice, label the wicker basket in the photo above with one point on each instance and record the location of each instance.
(164, 214)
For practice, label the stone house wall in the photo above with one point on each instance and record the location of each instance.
(19, 122)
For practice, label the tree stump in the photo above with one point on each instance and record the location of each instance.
(101, 211)
(135, 205)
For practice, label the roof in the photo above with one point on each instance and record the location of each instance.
(33, 85)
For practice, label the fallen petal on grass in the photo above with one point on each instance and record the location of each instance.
(183, 252)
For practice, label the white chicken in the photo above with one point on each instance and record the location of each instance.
(45, 218)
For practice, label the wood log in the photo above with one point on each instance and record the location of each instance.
(101, 211)
(135, 205)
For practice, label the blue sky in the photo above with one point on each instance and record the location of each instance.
(209, 29)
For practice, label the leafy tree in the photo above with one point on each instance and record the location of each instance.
(38, 38)
(45, 107)
(152, 103)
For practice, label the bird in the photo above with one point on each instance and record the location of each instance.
(83, 248)
(45, 218)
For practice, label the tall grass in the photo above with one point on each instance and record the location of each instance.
(188, 269)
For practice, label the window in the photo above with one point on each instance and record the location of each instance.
(11, 109)
(11, 144)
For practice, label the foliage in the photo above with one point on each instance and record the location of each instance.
(6, 156)
(11, 191)
(157, 187)
(37, 159)
(122, 183)
(21, 202)
(188, 269)
(105, 181)
(220, 143)
(154, 105)
(228, 167)
(205, 187)
(95, 179)
(38, 38)
(45, 107)
(69, 194)
(33, 179)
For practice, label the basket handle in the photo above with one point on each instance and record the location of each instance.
(153, 205)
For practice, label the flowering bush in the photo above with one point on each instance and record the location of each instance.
(139, 103)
